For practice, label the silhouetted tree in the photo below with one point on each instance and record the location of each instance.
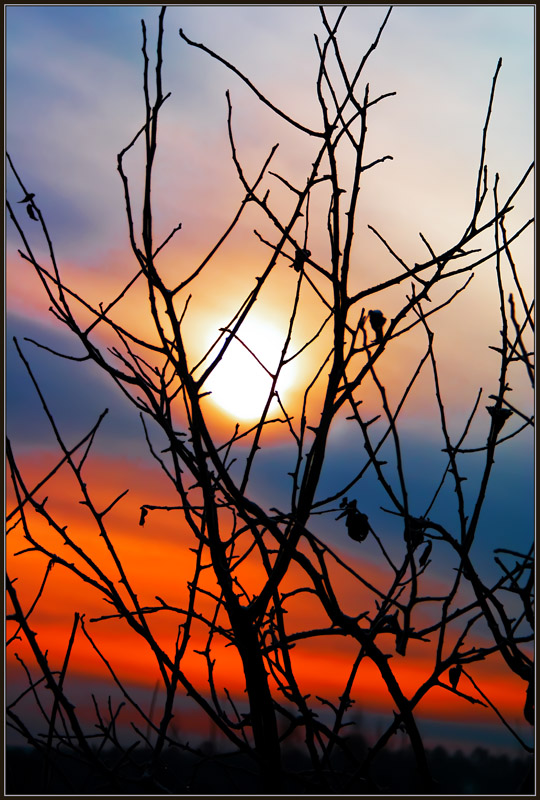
(232, 528)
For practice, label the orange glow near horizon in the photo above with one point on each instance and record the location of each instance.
(159, 564)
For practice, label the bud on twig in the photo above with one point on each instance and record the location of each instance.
(377, 320)
(454, 675)
(356, 522)
(499, 416)
(300, 257)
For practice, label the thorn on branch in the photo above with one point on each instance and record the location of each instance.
(28, 198)
(370, 422)
(40, 507)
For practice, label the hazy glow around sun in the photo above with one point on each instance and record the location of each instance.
(239, 384)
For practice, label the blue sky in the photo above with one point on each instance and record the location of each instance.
(439, 59)
(83, 86)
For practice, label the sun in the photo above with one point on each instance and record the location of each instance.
(241, 383)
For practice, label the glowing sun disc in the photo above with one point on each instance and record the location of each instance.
(239, 384)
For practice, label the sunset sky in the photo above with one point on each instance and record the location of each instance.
(74, 100)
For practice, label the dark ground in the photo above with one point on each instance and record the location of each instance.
(182, 773)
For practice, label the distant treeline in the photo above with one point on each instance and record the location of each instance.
(180, 772)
